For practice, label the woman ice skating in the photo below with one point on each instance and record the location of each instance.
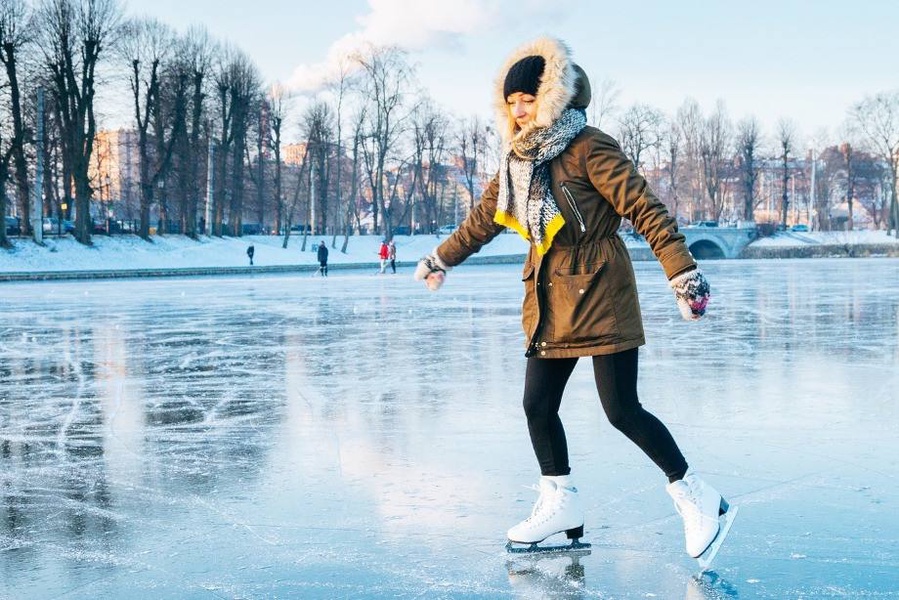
(564, 187)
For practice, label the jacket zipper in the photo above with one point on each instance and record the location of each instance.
(573, 205)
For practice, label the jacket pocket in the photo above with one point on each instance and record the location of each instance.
(581, 309)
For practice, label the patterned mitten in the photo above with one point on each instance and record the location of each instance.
(691, 290)
(432, 270)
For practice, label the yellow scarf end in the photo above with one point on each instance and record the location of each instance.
(507, 220)
(554, 226)
(552, 229)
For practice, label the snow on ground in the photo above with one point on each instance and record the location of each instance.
(175, 251)
(804, 238)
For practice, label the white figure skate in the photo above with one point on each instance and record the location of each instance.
(707, 517)
(557, 509)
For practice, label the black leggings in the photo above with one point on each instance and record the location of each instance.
(616, 382)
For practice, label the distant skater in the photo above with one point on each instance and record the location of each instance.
(250, 252)
(391, 255)
(564, 187)
(323, 259)
(384, 256)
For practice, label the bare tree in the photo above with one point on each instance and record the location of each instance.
(146, 47)
(237, 83)
(5, 156)
(822, 192)
(673, 143)
(15, 27)
(715, 150)
(786, 141)
(604, 103)
(343, 82)
(748, 147)
(295, 197)
(848, 154)
(876, 118)
(259, 130)
(386, 81)
(690, 121)
(869, 180)
(194, 62)
(817, 206)
(73, 36)
(352, 205)
(639, 131)
(318, 130)
(472, 143)
(277, 110)
(429, 133)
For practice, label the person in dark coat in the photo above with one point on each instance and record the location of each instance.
(250, 252)
(564, 187)
(323, 259)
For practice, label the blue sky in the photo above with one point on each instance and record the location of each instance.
(803, 60)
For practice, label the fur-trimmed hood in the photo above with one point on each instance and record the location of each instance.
(558, 85)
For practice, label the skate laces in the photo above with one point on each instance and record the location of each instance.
(548, 503)
(538, 503)
(687, 506)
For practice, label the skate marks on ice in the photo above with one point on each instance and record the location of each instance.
(573, 575)
(548, 574)
(141, 427)
(710, 586)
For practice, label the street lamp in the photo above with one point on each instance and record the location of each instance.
(846, 151)
(107, 181)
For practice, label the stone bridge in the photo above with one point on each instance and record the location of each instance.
(718, 242)
(704, 242)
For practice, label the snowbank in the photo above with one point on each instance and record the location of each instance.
(797, 238)
(129, 252)
(175, 251)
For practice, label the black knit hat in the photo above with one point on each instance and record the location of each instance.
(524, 76)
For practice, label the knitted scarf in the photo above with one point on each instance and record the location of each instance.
(525, 201)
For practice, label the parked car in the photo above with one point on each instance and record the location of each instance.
(13, 226)
(799, 227)
(52, 225)
(406, 230)
(705, 224)
(106, 226)
(447, 229)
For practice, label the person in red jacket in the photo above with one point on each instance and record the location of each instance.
(384, 255)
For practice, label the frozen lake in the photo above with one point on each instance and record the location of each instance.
(361, 437)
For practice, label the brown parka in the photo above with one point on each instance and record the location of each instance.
(581, 296)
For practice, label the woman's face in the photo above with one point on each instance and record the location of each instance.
(522, 108)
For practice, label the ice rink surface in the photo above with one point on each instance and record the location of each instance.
(361, 437)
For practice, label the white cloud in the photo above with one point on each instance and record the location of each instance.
(415, 24)
(410, 24)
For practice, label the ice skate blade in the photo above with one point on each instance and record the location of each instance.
(705, 559)
(536, 548)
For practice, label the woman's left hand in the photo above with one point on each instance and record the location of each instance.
(692, 292)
